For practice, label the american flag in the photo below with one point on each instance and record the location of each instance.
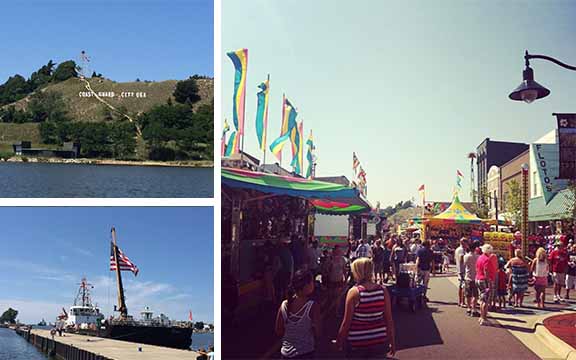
(125, 263)
(355, 162)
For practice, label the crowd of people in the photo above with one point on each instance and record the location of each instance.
(489, 283)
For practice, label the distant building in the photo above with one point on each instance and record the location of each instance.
(494, 153)
(69, 150)
(510, 172)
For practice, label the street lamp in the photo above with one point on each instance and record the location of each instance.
(529, 90)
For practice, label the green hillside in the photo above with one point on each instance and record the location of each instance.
(92, 110)
(144, 120)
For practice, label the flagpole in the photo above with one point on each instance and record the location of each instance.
(266, 127)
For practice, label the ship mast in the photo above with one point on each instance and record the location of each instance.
(121, 303)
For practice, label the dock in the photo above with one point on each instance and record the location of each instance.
(80, 347)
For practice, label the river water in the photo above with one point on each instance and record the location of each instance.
(20, 180)
(202, 340)
(14, 347)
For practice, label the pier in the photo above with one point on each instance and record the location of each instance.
(80, 347)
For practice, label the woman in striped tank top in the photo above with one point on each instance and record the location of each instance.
(367, 329)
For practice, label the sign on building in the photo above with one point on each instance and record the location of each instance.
(547, 162)
(567, 144)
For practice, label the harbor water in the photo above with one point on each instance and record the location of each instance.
(14, 347)
(202, 340)
(20, 180)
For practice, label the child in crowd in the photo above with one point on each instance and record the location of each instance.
(445, 262)
(502, 285)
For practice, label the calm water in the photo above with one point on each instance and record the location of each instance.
(73, 180)
(13, 347)
(203, 340)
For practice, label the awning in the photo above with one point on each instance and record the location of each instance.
(297, 187)
(328, 207)
(559, 207)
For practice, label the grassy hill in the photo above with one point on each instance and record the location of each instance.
(89, 109)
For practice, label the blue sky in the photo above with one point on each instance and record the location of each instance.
(47, 250)
(126, 39)
(410, 86)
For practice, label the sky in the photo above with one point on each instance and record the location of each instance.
(47, 250)
(125, 39)
(411, 86)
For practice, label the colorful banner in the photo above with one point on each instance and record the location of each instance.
(262, 113)
(225, 129)
(278, 144)
(310, 143)
(232, 147)
(288, 123)
(240, 60)
(295, 138)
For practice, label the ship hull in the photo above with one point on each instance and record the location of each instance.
(173, 337)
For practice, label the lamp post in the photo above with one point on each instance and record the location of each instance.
(529, 90)
(525, 209)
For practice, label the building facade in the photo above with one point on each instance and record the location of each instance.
(510, 173)
(494, 153)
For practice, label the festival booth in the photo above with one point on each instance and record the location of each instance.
(260, 209)
(452, 224)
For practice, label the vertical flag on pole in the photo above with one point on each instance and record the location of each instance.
(232, 147)
(262, 113)
(459, 177)
(422, 192)
(296, 146)
(225, 129)
(288, 123)
(278, 144)
(240, 60)
(310, 143)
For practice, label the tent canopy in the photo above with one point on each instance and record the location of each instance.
(328, 207)
(337, 198)
(456, 214)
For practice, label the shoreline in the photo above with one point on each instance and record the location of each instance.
(84, 161)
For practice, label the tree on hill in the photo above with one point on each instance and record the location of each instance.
(65, 71)
(47, 106)
(186, 91)
(14, 89)
(9, 316)
(42, 76)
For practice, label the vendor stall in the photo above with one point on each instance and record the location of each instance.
(260, 209)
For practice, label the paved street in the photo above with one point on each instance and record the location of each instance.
(440, 331)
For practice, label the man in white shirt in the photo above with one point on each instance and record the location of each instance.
(459, 259)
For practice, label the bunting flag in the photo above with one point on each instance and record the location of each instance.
(278, 144)
(124, 263)
(232, 147)
(355, 162)
(310, 143)
(240, 60)
(262, 113)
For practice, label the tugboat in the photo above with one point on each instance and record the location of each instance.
(150, 330)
